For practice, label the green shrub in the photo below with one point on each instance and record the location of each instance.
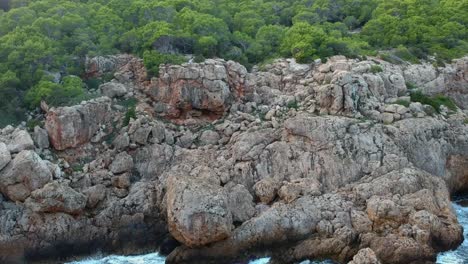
(128, 103)
(436, 101)
(403, 103)
(153, 59)
(376, 69)
(69, 92)
(293, 104)
(32, 123)
(410, 86)
(466, 121)
(131, 113)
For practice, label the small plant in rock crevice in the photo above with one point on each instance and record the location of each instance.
(435, 101)
(376, 69)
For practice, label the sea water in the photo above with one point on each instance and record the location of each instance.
(460, 255)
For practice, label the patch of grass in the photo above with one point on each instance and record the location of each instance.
(466, 121)
(128, 103)
(207, 127)
(403, 103)
(435, 101)
(411, 86)
(293, 104)
(131, 113)
(77, 167)
(31, 124)
(376, 69)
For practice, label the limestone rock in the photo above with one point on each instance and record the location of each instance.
(113, 89)
(5, 156)
(69, 127)
(241, 203)
(20, 140)
(197, 212)
(266, 190)
(100, 65)
(122, 163)
(141, 135)
(26, 173)
(55, 197)
(209, 87)
(365, 256)
(95, 194)
(41, 138)
(121, 142)
(209, 137)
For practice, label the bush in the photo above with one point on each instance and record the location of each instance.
(153, 59)
(70, 91)
(131, 113)
(410, 86)
(31, 124)
(293, 104)
(436, 101)
(376, 69)
(403, 103)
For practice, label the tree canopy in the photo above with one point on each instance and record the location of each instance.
(39, 38)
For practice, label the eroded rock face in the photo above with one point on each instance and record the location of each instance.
(20, 140)
(122, 163)
(319, 160)
(54, 198)
(69, 127)
(113, 89)
(98, 66)
(197, 211)
(24, 174)
(206, 89)
(365, 256)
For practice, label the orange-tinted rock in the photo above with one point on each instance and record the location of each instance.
(69, 127)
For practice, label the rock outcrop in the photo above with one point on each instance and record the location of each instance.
(197, 211)
(205, 89)
(69, 127)
(24, 174)
(55, 197)
(98, 66)
(325, 160)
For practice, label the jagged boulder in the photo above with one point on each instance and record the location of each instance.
(41, 138)
(100, 65)
(197, 211)
(55, 197)
(26, 173)
(121, 163)
(365, 256)
(113, 89)
(19, 141)
(69, 127)
(191, 90)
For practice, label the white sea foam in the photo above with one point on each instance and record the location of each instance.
(460, 255)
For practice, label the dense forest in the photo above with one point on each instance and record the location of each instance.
(40, 38)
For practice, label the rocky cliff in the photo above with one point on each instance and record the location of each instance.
(327, 160)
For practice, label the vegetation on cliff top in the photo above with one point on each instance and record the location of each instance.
(41, 38)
